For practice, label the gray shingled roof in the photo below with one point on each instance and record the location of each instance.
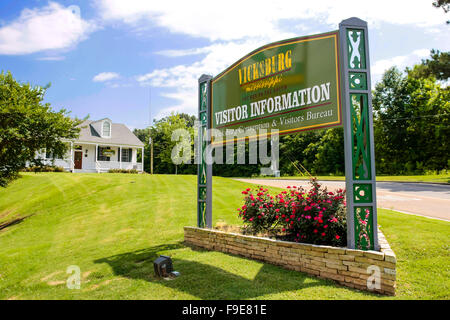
(120, 134)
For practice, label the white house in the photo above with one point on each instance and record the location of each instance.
(101, 146)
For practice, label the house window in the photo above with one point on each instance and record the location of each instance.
(106, 129)
(104, 153)
(48, 154)
(51, 155)
(126, 155)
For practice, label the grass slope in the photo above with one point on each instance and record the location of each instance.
(114, 225)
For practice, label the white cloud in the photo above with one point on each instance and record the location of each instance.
(186, 102)
(51, 58)
(199, 19)
(47, 28)
(236, 19)
(105, 76)
(401, 62)
(183, 79)
(183, 52)
(119, 85)
(218, 57)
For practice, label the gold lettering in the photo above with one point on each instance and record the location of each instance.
(288, 59)
(255, 72)
(280, 62)
(261, 69)
(268, 68)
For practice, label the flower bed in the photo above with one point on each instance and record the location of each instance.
(316, 216)
(352, 268)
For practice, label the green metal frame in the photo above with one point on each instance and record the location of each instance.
(358, 136)
(204, 170)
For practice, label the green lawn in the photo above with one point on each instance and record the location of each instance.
(114, 225)
(431, 178)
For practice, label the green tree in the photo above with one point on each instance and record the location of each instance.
(390, 101)
(411, 123)
(319, 152)
(161, 134)
(237, 170)
(330, 153)
(299, 149)
(429, 125)
(438, 66)
(444, 4)
(27, 125)
(189, 119)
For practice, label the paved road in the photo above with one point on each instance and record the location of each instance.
(425, 199)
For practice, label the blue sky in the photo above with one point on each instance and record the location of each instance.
(118, 59)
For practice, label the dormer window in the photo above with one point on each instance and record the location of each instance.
(106, 129)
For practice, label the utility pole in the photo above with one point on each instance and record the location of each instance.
(150, 141)
(151, 154)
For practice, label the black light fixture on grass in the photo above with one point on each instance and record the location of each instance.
(164, 268)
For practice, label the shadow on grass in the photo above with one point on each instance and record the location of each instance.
(206, 281)
(13, 222)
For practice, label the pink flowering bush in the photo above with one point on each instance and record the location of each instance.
(316, 216)
(258, 210)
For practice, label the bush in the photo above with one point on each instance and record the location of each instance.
(45, 168)
(315, 216)
(122, 171)
(258, 213)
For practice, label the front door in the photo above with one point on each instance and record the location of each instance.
(78, 159)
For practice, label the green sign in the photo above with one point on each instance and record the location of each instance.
(294, 85)
(291, 85)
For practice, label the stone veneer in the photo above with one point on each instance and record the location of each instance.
(346, 266)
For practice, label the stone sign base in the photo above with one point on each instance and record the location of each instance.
(364, 270)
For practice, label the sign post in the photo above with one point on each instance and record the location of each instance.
(299, 84)
(358, 136)
(204, 168)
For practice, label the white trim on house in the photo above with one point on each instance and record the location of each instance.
(106, 143)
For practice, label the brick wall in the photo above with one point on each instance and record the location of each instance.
(351, 268)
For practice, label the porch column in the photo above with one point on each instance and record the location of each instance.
(72, 169)
(120, 157)
(96, 157)
(142, 159)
